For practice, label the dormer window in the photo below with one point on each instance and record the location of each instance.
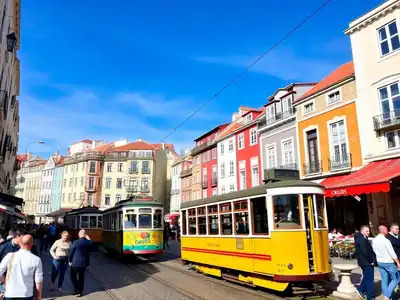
(247, 119)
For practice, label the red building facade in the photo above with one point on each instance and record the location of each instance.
(248, 162)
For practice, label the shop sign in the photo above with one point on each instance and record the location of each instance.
(339, 192)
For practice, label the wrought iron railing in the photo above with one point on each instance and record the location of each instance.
(387, 120)
(340, 162)
(280, 116)
(186, 172)
(214, 181)
(292, 166)
(314, 167)
(133, 170)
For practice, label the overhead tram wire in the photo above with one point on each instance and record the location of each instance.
(249, 67)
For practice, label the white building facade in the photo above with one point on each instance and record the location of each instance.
(226, 158)
(175, 201)
(377, 72)
(44, 203)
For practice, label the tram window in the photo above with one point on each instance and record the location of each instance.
(130, 221)
(93, 222)
(192, 225)
(240, 205)
(84, 222)
(100, 221)
(213, 227)
(226, 207)
(226, 224)
(117, 217)
(260, 216)
(242, 223)
(287, 211)
(202, 221)
(201, 211)
(184, 231)
(213, 209)
(320, 210)
(144, 220)
(158, 219)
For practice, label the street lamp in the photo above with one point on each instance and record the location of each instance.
(11, 42)
(33, 142)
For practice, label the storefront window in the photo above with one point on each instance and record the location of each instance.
(320, 211)
(286, 212)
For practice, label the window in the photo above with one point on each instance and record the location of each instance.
(287, 154)
(109, 167)
(271, 157)
(226, 224)
(63, 197)
(339, 143)
(92, 168)
(223, 190)
(65, 182)
(253, 136)
(286, 212)
(74, 197)
(308, 108)
(392, 139)
(242, 179)
(119, 183)
(202, 220)
(107, 200)
(388, 36)
(70, 182)
(320, 211)
(389, 97)
(144, 217)
(145, 184)
(232, 188)
(93, 222)
(222, 149)
(76, 181)
(82, 180)
(117, 197)
(255, 180)
(334, 97)
(214, 192)
(84, 222)
(192, 221)
(247, 119)
(91, 183)
(222, 170)
(240, 141)
(120, 167)
(134, 166)
(69, 197)
(230, 145)
(145, 166)
(204, 193)
(231, 168)
(214, 153)
(81, 196)
(241, 217)
(158, 220)
(108, 183)
(184, 229)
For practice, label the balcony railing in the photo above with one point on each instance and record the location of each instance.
(90, 188)
(132, 189)
(292, 166)
(214, 181)
(387, 120)
(144, 189)
(337, 163)
(314, 167)
(204, 182)
(202, 147)
(133, 171)
(146, 171)
(186, 172)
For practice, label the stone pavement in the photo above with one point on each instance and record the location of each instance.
(92, 291)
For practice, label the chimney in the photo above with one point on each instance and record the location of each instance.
(139, 140)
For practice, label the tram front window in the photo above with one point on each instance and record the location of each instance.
(320, 210)
(130, 221)
(287, 212)
(144, 220)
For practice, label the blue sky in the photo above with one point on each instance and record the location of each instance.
(128, 69)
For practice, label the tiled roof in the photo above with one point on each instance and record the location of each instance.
(236, 125)
(59, 160)
(104, 147)
(22, 157)
(218, 128)
(87, 141)
(167, 146)
(140, 145)
(343, 72)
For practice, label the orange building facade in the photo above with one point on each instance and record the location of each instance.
(329, 142)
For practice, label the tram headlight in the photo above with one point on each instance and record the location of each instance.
(290, 266)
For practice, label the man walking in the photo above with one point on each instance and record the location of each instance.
(386, 257)
(79, 258)
(366, 260)
(24, 272)
(12, 243)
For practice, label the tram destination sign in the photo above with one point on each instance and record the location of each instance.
(271, 174)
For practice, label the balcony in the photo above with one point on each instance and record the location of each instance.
(90, 188)
(204, 182)
(186, 173)
(203, 147)
(144, 189)
(337, 163)
(388, 120)
(292, 166)
(214, 181)
(132, 189)
(145, 171)
(313, 168)
(133, 170)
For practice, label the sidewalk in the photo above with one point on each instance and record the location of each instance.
(92, 289)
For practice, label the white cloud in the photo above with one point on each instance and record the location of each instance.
(282, 63)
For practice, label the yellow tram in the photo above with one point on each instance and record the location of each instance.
(134, 227)
(268, 236)
(89, 218)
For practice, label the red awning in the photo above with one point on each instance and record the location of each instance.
(373, 178)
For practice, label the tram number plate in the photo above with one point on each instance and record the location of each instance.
(213, 245)
(239, 244)
(280, 268)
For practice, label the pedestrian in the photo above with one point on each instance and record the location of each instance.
(40, 235)
(366, 260)
(79, 259)
(386, 257)
(12, 244)
(52, 233)
(60, 253)
(23, 272)
(166, 235)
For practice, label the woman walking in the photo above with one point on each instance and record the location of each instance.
(60, 252)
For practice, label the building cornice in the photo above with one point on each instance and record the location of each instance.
(372, 16)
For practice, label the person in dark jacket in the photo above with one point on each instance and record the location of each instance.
(366, 260)
(394, 238)
(79, 259)
(11, 245)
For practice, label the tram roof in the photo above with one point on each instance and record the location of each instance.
(258, 190)
(84, 210)
(134, 203)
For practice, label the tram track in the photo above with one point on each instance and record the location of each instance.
(106, 288)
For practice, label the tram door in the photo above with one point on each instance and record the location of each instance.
(307, 205)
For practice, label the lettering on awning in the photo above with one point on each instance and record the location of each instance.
(339, 192)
